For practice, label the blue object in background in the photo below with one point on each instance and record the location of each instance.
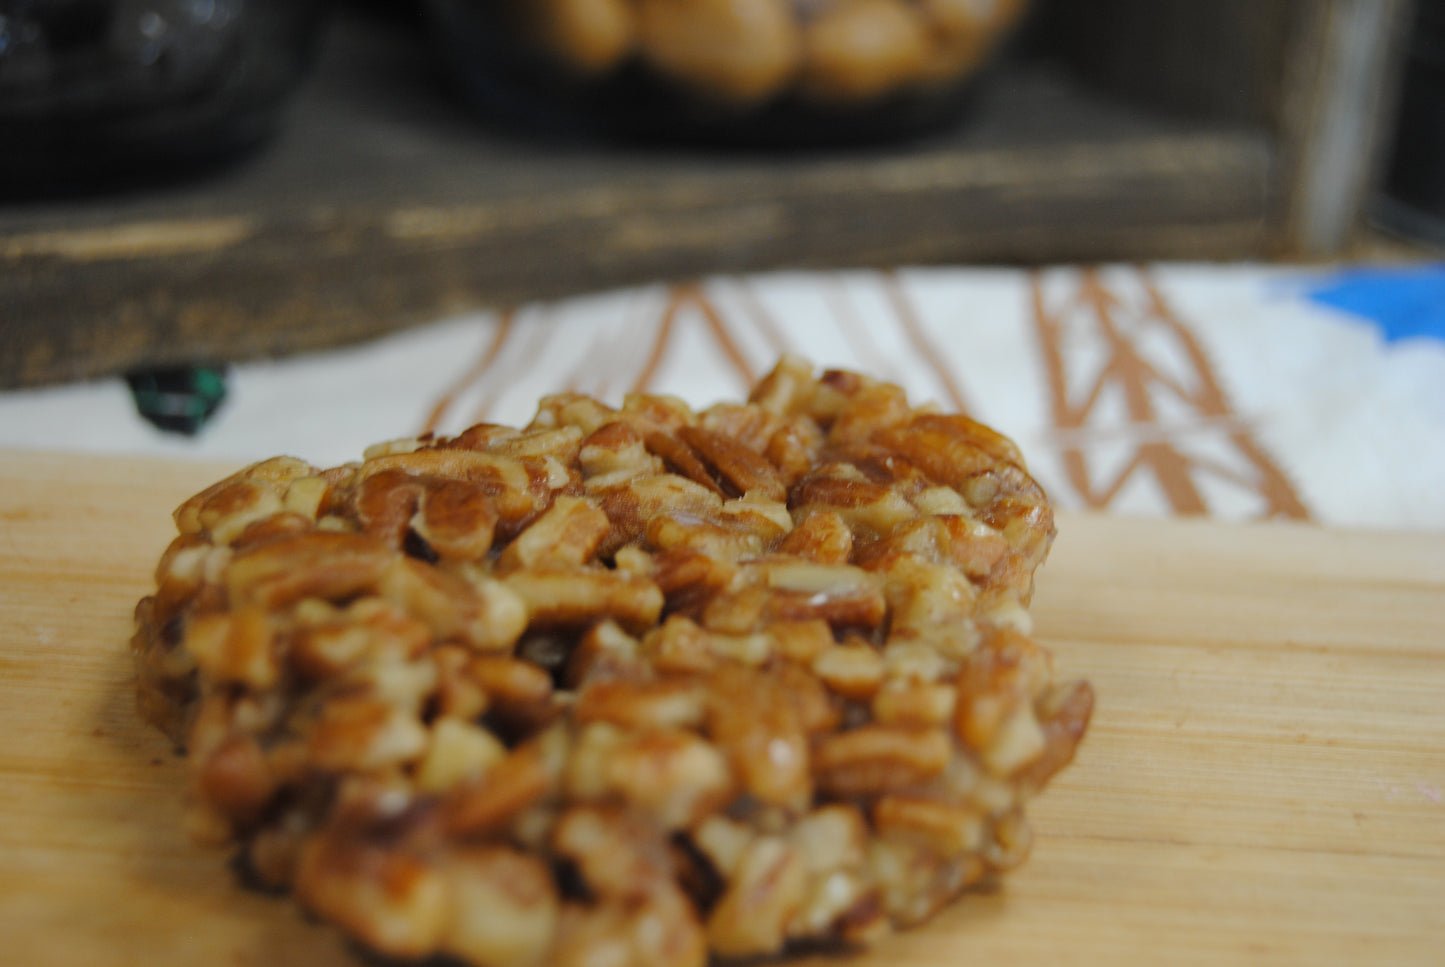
(1404, 303)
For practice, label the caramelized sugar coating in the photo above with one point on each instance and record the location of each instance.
(637, 683)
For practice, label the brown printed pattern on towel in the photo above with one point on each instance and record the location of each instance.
(1172, 442)
(1099, 315)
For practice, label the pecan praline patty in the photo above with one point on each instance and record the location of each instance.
(634, 685)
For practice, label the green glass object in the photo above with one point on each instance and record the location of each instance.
(179, 400)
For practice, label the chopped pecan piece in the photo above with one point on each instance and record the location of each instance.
(394, 902)
(767, 889)
(505, 907)
(567, 535)
(741, 470)
(314, 565)
(875, 759)
(579, 598)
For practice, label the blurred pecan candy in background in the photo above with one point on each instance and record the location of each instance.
(639, 685)
(777, 72)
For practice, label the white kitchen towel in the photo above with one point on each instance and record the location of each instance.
(1233, 391)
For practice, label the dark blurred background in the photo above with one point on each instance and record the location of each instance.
(188, 180)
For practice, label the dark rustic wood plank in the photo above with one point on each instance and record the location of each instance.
(1345, 61)
(1321, 74)
(386, 203)
(1223, 60)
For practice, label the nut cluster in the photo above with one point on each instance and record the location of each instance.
(748, 51)
(639, 685)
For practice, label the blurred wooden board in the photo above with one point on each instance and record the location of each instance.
(384, 202)
(1264, 782)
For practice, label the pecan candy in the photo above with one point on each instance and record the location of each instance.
(633, 685)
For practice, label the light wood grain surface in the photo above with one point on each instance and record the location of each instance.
(1264, 782)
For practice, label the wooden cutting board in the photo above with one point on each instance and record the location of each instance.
(1264, 782)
